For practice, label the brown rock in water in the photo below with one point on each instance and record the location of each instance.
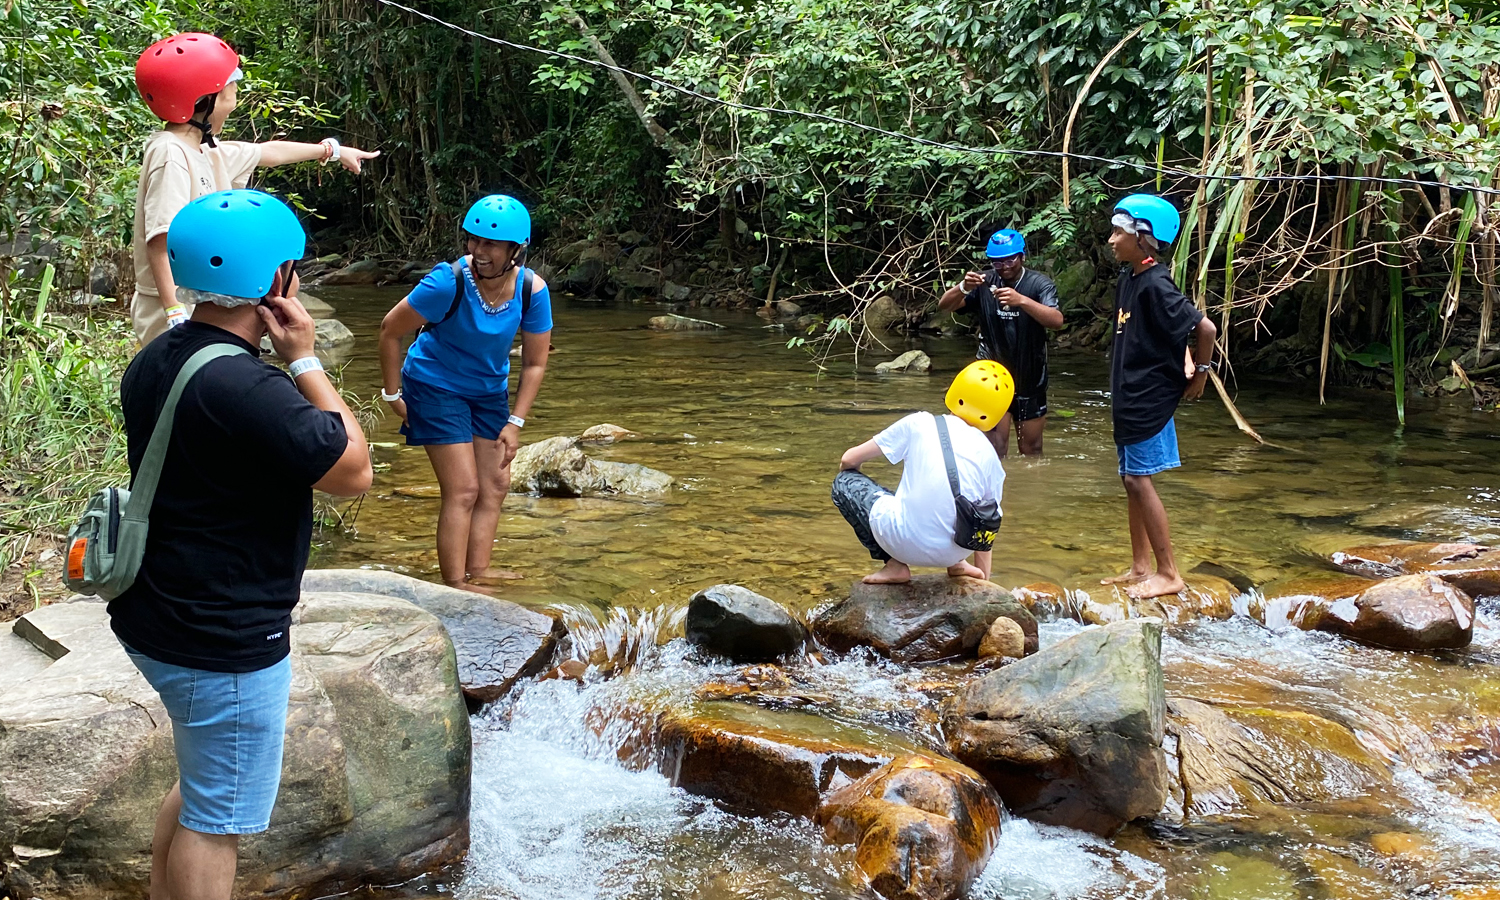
(734, 622)
(763, 761)
(1223, 759)
(558, 467)
(923, 827)
(1005, 639)
(365, 271)
(606, 434)
(1408, 612)
(374, 783)
(497, 642)
(1206, 597)
(1071, 735)
(681, 323)
(1045, 600)
(884, 314)
(932, 618)
(1472, 568)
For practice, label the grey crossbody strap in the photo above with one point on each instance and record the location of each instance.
(942, 428)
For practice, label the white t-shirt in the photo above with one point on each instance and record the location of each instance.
(915, 525)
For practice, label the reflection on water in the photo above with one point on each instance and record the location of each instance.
(753, 434)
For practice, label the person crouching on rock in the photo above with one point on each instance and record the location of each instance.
(948, 502)
(208, 618)
(452, 390)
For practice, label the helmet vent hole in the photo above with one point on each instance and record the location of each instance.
(172, 255)
(252, 202)
(158, 53)
(179, 50)
(224, 205)
(960, 402)
(216, 261)
(983, 418)
(149, 98)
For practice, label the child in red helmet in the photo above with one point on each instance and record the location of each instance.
(189, 81)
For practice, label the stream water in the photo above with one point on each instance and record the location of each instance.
(752, 432)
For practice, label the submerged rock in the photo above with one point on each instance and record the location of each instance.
(923, 827)
(736, 623)
(1071, 735)
(1472, 568)
(761, 761)
(681, 323)
(1408, 612)
(557, 467)
(911, 362)
(497, 642)
(374, 784)
(932, 618)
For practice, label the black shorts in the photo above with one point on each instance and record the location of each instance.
(1024, 409)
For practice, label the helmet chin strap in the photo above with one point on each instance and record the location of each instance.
(206, 129)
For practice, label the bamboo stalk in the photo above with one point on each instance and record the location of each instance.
(1335, 271)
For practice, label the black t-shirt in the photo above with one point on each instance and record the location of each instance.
(231, 525)
(1009, 335)
(1146, 379)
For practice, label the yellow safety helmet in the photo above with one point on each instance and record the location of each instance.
(981, 394)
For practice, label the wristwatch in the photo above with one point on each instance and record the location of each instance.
(334, 149)
(1204, 367)
(516, 421)
(390, 398)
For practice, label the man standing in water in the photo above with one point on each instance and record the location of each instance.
(207, 620)
(1015, 307)
(1148, 377)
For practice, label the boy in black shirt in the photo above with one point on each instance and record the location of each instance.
(1148, 376)
(1015, 307)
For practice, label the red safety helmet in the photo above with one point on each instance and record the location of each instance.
(173, 73)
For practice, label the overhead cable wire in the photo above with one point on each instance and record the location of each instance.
(1169, 171)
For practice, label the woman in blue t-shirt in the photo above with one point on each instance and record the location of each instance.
(451, 391)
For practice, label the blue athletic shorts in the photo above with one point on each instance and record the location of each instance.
(228, 731)
(1154, 454)
(438, 416)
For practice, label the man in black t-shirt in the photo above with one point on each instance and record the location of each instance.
(207, 619)
(1148, 377)
(1015, 306)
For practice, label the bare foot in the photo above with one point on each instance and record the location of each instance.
(1157, 585)
(493, 576)
(473, 588)
(893, 573)
(1130, 577)
(964, 568)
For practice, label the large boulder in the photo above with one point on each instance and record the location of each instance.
(681, 323)
(1472, 568)
(558, 467)
(884, 314)
(736, 623)
(374, 784)
(332, 337)
(1408, 612)
(496, 642)
(923, 827)
(316, 307)
(585, 276)
(366, 271)
(932, 618)
(1204, 597)
(762, 761)
(912, 362)
(1071, 735)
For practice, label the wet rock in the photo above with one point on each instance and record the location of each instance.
(763, 761)
(923, 827)
(1408, 612)
(913, 362)
(1223, 759)
(332, 336)
(1239, 580)
(1228, 876)
(934, 617)
(366, 271)
(1206, 597)
(1045, 600)
(1005, 639)
(1472, 568)
(786, 309)
(375, 779)
(557, 467)
(318, 309)
(1404, 846)
(497, 642)
(675, 293)
(736, 623)
(884, 314)
(1071, 735)
(606, 434)
(681, 323)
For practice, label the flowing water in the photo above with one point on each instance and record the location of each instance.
(752, 432)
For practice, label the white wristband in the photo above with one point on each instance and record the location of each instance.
(516, 421)
(334, 150)
(304, 365)
(390, 398)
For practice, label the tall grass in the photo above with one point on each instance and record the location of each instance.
(61, 432)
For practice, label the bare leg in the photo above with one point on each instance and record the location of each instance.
(964, 569)
(1140, 542)
(1167, 579)
(1000, 437)
(494, 484)
(458, 480)
(202, 865)
(1030, 434)
(161, 842)
(895, 572)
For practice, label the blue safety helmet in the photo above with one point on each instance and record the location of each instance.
(1007, 242)
(1158, 213)
(232, 243)
(499, 218)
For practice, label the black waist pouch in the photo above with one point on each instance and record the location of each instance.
(977, 524)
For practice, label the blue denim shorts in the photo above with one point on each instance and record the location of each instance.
(438, 416)
(228, 731)
(1154, 454)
